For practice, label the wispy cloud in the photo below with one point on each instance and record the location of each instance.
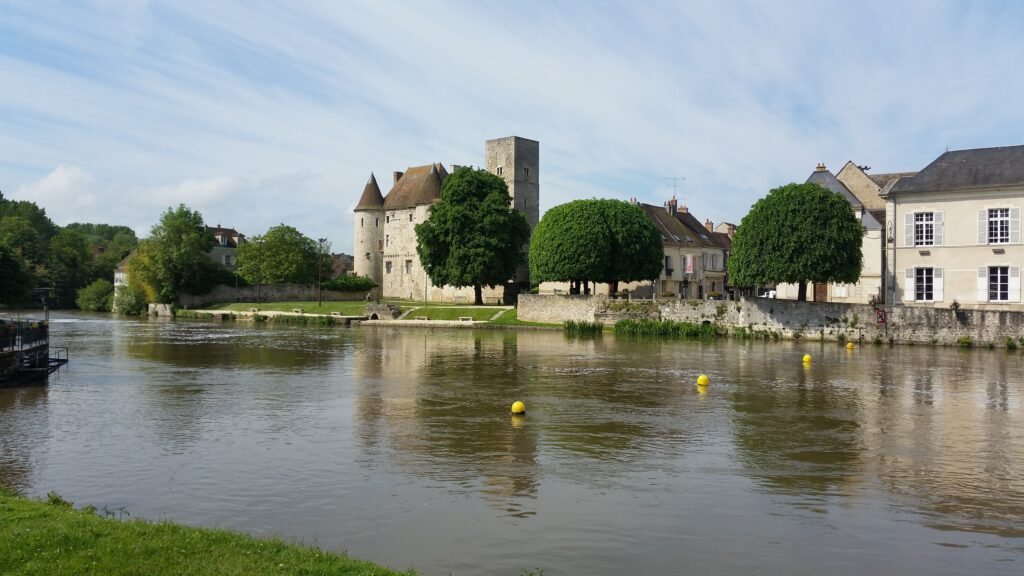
(262, 112)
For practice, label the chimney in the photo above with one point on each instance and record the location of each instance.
(672, 206)
(709, 225)
(820, 168)
(397, 175)
(684, 209)
(730, 230)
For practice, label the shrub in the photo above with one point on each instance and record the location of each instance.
(1011, 344)
(668, 328)
(130, 300)
(350, 284)
(964, 342)
(96, 296)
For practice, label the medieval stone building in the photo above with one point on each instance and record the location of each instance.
(385, 238)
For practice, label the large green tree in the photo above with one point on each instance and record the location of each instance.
(606, 241)
(15, 280)
(175, 257)
(282, 255)
(798, 233)
(473, 236)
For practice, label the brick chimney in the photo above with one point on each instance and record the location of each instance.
(397, 175)
(709, 225)
(820, 168)
(684, 209)
(672, 206)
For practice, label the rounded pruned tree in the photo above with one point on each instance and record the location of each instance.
(282, 255)
(473, 236)
(607, 241)
(798, 233)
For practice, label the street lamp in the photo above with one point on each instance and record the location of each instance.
(319, 263)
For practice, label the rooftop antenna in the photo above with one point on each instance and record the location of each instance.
(675, 183)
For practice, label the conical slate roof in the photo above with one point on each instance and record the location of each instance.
(371, 198)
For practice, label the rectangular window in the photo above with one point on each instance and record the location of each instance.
(387, 267)
(408, 266)
(999, 226)
(387, 240)
(410, 216)
(998, 283)
(387, 219)
(360, 222)
(668, 266)
(924, 229)
(499, 170)
(924, 282)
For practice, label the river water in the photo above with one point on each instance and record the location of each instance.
(397, 446)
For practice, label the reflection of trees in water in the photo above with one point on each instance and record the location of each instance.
(953, 458)
(798, 437)
(23, 411)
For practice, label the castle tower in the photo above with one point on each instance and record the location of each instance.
(369, 225)
(517, 161)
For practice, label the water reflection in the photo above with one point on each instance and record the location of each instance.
(18, 408)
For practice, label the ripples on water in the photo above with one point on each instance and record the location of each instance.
(399, 447)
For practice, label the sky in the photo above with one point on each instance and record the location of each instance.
(260, 113)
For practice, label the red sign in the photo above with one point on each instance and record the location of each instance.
(879, 316)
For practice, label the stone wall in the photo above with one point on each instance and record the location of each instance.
(791, 319)
(267, 293)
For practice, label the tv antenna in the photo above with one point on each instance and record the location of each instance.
(675, 183)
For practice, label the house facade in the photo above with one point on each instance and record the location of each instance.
(225, 245)
(955, 233)
(385, 235)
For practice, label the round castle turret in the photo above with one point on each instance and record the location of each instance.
(369, 225)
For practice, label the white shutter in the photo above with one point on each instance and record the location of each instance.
(983, 284)
(1014, 284)
(983, 226)
(939, 229)
(937, 295)
(1015, 225)
(909, 288)
(908, 229)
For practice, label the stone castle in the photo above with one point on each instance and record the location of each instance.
(385, 239)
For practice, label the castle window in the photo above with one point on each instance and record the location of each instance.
(387, 240)
(499, 170)
(360, 222)
(367, 255)
(408, 266)
(376, 222)
(387, 219)
(410, 216)
(527, 169)
(387, 267)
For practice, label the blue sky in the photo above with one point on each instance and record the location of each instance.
(257, 113)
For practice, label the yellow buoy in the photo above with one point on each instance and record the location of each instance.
(849, 345)
(807, 358)
(518, 407)
(702, 380)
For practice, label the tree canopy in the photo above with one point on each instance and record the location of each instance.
(473, 236)
(175, 257)
(15, 280)
(282, 255)
(607, 241)
(798, 233)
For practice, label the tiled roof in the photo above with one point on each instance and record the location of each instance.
(673, 232)
(707, 239)
(828, 181)
(417, 185)
(230, 233)
(371, 198)
(976, 168)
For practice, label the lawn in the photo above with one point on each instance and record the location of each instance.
(511, 318)
(354, 308)
(52, 538)
(453, 313)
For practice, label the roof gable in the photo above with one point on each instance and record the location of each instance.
(828, 181)
(417, 185)
(673, 232)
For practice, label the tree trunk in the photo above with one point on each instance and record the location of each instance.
(478, 295)
(801, 293)
(613, 287)
(586, 287)
(574, 287)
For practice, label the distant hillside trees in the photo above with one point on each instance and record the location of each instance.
(283, 255)
(798, 233)
(473, 236)
(607, 241)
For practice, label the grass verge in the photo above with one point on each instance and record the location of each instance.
(511, 318)
(52, 538)
(349, 308)
(446, 313)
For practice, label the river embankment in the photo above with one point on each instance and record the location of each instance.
(51, 537)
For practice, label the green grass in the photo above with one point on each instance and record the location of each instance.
(433, 312)
(353, 308)
(52, 538)
(583, 328)
(511, 318)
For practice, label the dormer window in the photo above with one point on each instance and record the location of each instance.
(223, 240)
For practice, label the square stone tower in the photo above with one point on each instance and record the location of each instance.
(517, 161)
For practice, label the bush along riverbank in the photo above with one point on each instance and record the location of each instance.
(50, 537)
(666, 328)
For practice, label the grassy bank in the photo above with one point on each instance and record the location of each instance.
(52, 538)
(353, 308)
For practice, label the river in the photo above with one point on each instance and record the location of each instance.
(397, 446)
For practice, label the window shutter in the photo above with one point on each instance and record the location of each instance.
(909, 289)
(1015, 225)
(908, 229)
(938, 234)
(937, 295)
(1014, 284)
(983, 284)
(982, 226)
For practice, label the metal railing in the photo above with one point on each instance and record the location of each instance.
(21, 334)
